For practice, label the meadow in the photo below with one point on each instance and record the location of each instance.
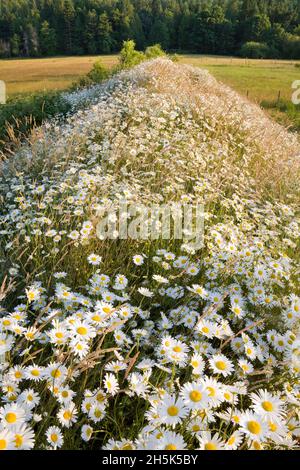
(124, 343)
(260, 79)
(265, 82)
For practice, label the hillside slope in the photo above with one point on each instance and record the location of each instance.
(152, 344)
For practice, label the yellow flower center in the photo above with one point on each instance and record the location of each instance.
(11, 418)
(98, 413)
(81, 330)
(55, 373)
(54, 437)
(67, 415)
(273, 427)
(177, 349)
(18, 440)
(254, 427)
(221, 365)
(96, 318)
(195, 396)
(3, 444)
(210, 446)
(267, 406)
(170, 447)
(211, 391)
(173, 410)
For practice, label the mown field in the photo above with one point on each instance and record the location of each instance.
(260, 79)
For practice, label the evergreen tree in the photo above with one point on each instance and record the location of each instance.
(47, 39)
(105, 40)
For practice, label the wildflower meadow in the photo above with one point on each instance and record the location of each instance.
(154, 343)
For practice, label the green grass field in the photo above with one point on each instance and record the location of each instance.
(260, 80)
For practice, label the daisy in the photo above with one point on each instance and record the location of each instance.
(97, 412)
(214, 390)
(120, 282)
(253, 426)
(206, 328)
(34, 373)
(221, 365)
(6, 343)
(67, 415)
(138, 260)
(29, 397)
(6, 440)
(266, 405)
(54, 437)
(171, 441)
(12, 415)
(23, 437)
(199, 290)
(178, 352)
(83, 330)
(56, 372)
(198, 364)
(195, 396)
(145, 292)
(79, 347)
(246, 366)
(33, 294)
(171, 410)
(209, 442)
(86, 432)
(94, 260)
(234, 441)
(111, 384)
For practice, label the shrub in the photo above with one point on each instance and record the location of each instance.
(154, 51)
(129, 56)
(255, 50)
(98, 72)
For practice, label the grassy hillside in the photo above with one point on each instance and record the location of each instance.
(152, 344)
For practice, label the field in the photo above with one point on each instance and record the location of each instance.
(116, 337)
(260, 79)
(30, 75)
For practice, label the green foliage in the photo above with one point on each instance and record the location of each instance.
(155, 51)
(21, 114)
(98, 72)
(129, 56)
(255, 50)
(39, 27)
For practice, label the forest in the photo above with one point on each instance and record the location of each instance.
(249, 28)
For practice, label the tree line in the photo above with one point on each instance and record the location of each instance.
(252, 28)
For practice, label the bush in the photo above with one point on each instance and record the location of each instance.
(154, 51)
(129, 56)
(255, 50)
(98, 73)
(20, 115)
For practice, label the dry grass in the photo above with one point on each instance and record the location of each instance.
(262, 79)
(30, 75)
